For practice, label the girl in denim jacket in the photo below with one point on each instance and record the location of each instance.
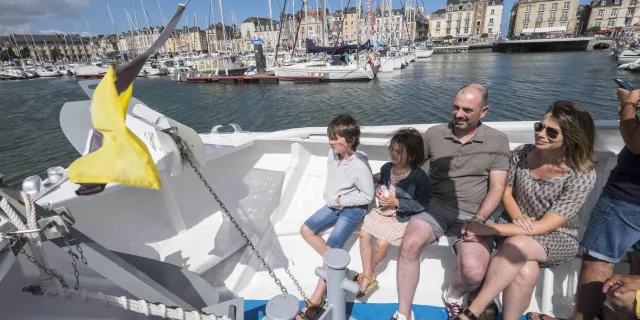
(403, 189)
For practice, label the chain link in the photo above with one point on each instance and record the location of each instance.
(244, 235)
(76, 273)
(82, 258)
(47, 271)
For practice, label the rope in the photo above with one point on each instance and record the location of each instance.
(34, 242)
(139, 306)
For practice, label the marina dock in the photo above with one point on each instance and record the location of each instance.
(254, 79)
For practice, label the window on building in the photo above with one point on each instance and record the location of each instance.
(566, 5)
(478, 23)
(490, 30)
(448, 31)
(493, 3)
(564, 16)
(460, 7)
(477, 30)
(554, 6)
(438, 25)
(600, 14)
(481, 6)
(457, 30)
(550, 24)
(525, 26)
(539, 17)
(466, 30)
(526, 18)
(611, 23)
(493, 12)
(597, 24)
(466, 23)
(603, 2)
(528, 8)
(617, 2)
(490, 20)
(449, 17)
(563, 24)
(614, 13)
(552, 16)
(541, 7)
(479, 14)
(538, 24)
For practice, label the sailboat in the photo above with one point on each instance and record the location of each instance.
(330, 70)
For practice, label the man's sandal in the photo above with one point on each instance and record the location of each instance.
(467, 313)
(372, 284)
(317, 308)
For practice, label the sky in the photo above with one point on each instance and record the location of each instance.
(62, 16)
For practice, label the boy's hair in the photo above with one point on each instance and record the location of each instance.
(410, 140)
(345, 126)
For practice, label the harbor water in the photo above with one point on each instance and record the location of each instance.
(521, 87)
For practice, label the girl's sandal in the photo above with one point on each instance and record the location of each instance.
(372, 284)
(312, 307)
(467, 313)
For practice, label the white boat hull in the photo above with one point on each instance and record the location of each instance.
(155, 72)
(424, 53)
(628, 56)
(48, 74)
(328, 72)
(386, 64)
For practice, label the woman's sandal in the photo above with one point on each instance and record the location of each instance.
(467, 313)
(372, 284)
(317, 308)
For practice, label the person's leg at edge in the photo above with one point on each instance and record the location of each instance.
(348, 220)
(365, 253)
(379, 253)
(517, 296)
(625, 305)
(473, 259)
(419, 233)
(503, 271)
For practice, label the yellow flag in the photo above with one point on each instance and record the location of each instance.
(123, 157)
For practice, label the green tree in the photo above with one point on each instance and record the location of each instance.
(25, 52)
(484, 36)
(56, 54)
(448, 37)
(7, 55)
(594, 29)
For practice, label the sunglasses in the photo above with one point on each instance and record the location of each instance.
(551, 132)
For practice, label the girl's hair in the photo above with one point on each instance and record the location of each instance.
(409, 139)
(578, 133)
(345, 126)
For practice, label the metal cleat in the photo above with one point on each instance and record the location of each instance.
(54, 227)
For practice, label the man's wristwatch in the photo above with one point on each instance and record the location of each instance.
(476, 218)
(622, 105)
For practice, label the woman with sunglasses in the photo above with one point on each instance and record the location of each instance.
(546, 186)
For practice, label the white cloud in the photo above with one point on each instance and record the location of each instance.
(16, 14)
(50, 31)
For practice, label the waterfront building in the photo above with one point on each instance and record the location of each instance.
(532, 18)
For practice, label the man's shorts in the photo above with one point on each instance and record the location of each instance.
(448, 221)
(614, 228)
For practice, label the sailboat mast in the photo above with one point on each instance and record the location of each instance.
(145, 15)
(224, 28)
(90, 36)
(164, 20)
(271, 22)
(34, 44)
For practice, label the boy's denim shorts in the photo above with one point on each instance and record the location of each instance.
(345, 220)
(614, 228)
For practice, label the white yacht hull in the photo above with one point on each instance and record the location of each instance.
(155, 72)
(270, 183)
(423, 53)
(628, 56)
(327, 72)
(386, 64)
(48, 73)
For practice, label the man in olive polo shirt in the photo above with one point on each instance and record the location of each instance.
(468, 163)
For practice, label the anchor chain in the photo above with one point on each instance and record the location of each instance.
(74, 257)
(249, 243)
(46, 270)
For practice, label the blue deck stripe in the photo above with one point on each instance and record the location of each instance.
(254, 309)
